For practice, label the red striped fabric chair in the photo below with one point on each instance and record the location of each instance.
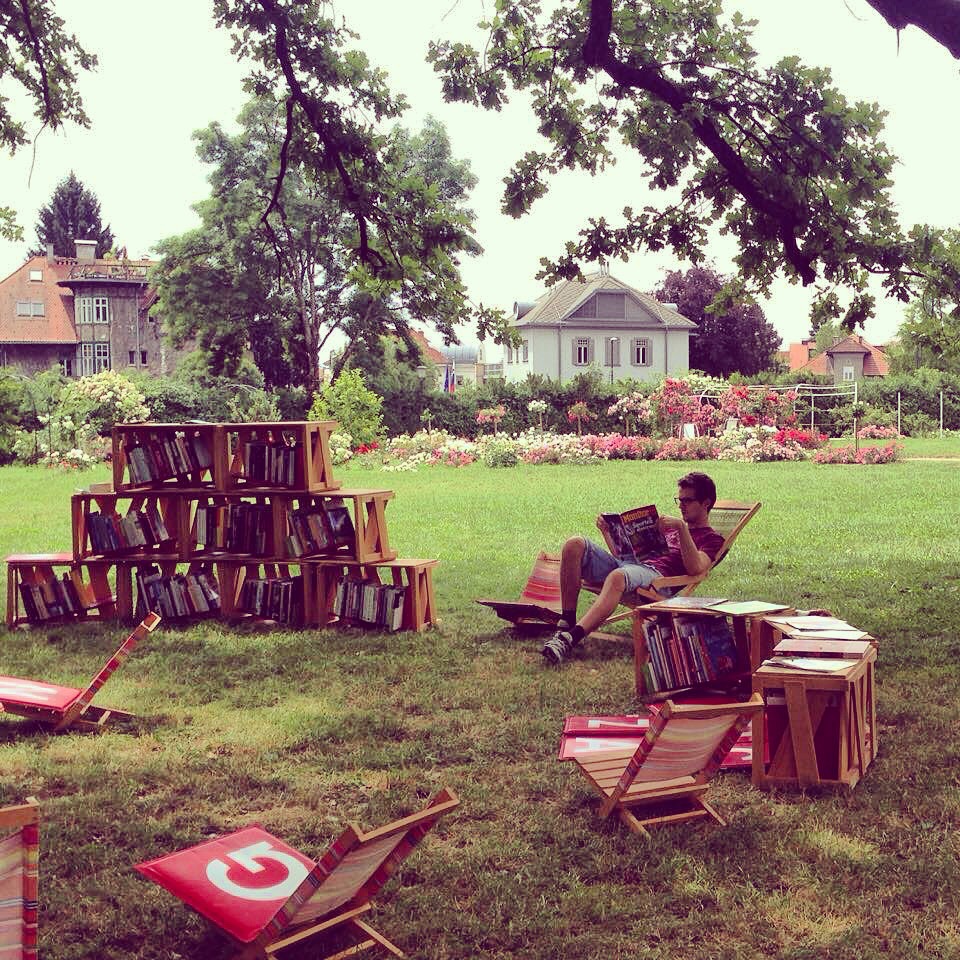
(19, 854)
(671, 769)
(539, 601)
(268, 896)
(62, 708)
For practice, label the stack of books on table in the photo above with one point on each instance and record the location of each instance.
(819, 644)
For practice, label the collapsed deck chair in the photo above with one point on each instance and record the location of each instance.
(62, 708)
(19, 852)
(539, 602)
(268, 896)
(672, 767)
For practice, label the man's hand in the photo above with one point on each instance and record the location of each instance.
(602, 526)
(670, 523)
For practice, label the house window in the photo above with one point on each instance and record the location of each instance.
(612, 305)
(36, 276)
(143, 358)
(37, 308)
(611, 351)
(92, 310)
(582, 351)
(23, 308)
(132, 354)
(30, 308)
(93, 358)
(640, 353)
(66, 366)
(526, 350)
(848, 372)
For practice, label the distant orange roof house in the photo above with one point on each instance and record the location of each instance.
(849, 358)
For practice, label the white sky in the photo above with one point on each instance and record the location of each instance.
(165, 72)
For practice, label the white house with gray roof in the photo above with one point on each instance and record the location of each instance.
(601, 322)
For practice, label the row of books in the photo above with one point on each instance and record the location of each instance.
(247, 528)
(367, 601)
(46, 598)
(166, 456)
(109, 532)
(684, 651)
(279, 599)
(178, 594)
(273, 463)
(320, 529)
(236, 527)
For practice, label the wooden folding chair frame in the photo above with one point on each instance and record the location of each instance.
(80, 713)
(614, 773)
(25, 819)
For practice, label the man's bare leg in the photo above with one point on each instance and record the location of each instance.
(606, 602)
(571, 557)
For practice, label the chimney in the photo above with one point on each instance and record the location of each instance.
(86, 250)
(50, 253)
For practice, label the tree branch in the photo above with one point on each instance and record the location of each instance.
(939, 19)
(598, 53)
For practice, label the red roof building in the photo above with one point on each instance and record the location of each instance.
(81, 313)
(849, 358)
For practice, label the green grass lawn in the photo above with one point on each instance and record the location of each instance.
(303, 731)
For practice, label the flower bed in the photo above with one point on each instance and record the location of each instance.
(849, 454)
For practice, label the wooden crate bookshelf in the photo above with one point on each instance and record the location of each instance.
(85, 506)
(163, 527)
(366, 538)
(299, 451)
(150, 456)
(745, 628)
(414, 575)
(174, 589)
(235, 578)
(97, 599)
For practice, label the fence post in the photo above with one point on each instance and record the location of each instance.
(941, 414)
(813, 403)
(898, 414)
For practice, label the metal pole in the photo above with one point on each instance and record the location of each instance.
(898, 413)
(941, 414)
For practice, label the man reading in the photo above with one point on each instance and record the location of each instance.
(692, 546)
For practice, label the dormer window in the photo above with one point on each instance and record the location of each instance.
(36, 276)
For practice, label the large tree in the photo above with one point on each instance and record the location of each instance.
(73, 213)
(273, 266)
(775, 157)
(406, 241)
(736, 340)
(38, 56)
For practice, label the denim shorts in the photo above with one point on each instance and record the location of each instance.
(597, 564)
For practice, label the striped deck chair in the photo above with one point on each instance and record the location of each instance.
(728, 518)
(19, 854)
(539, 602)
(671, 769)
(268, 896)
(62, 708)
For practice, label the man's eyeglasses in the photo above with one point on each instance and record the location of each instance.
(683, 501)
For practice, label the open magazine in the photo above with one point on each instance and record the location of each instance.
(635, 535)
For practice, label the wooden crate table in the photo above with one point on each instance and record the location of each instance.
(415, 575)
(821, 727)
